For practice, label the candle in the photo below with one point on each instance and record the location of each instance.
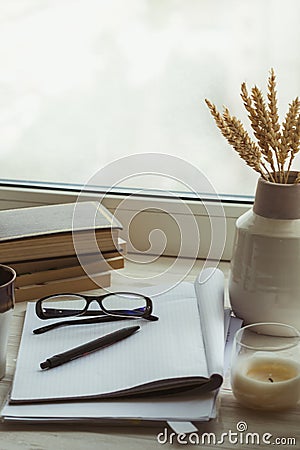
(266, 381)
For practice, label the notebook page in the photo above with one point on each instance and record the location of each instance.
(170, 348)
(209, 287)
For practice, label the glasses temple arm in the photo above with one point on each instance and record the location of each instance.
(64, 323)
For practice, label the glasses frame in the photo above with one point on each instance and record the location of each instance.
(59, 313)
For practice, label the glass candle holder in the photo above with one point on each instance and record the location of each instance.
(265, 366)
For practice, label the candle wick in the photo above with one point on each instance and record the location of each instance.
(270, 379)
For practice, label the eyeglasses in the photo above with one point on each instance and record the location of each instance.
(100, 308)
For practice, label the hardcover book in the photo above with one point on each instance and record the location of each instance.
(47, 231)
(74, 284)
(75, 271)
(43, 264)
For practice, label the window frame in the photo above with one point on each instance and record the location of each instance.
(20, 194)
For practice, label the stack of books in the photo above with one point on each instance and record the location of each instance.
(42, 245)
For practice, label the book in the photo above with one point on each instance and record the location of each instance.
(49, 231)
(188, 406)
(156, 360)
(62, 273)
(43, 264)
(73, 284)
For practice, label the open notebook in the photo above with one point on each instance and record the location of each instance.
(184, 348)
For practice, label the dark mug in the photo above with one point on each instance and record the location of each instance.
(7, 300)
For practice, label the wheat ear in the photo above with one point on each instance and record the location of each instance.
(273, 113)
(236, 136)
(288, 127)
(258, 130)
(295, 147)
(266, 125)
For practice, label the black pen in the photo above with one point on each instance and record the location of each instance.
(89, 347)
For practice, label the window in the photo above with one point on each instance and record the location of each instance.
(85, 82)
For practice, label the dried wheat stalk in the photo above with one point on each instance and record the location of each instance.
(276, 145)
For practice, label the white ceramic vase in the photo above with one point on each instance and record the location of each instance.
(264, 282)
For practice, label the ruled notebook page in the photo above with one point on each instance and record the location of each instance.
(171, 348)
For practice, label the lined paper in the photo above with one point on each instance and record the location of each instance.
(171, 348)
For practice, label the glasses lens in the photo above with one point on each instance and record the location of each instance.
(122, 304)
(63, 306)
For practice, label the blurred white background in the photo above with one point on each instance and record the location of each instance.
(85, 82)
